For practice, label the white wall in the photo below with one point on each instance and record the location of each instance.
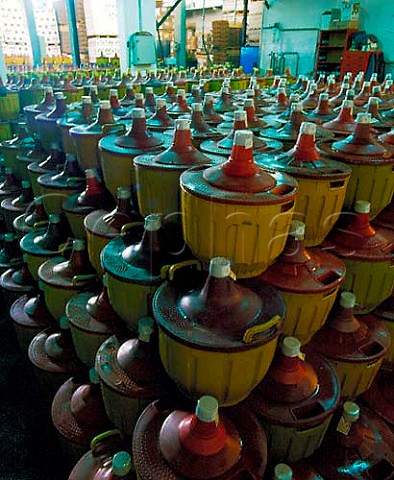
(377, 18)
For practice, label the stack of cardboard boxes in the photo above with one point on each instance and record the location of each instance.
(226, 42)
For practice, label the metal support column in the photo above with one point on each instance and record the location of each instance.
(31, 25)
(3, 68)
(72, 28)
(180, 34)
(134, 16)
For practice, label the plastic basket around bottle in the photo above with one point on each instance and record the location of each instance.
(9, 106)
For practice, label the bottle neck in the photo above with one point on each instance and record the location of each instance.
(305, 149)
(345, 115)
(105, 116)
(240, 163)
(138, 128)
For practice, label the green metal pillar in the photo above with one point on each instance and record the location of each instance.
(72, 28)
(180, 34)
(31, 25)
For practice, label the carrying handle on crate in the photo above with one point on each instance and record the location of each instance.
(103, 436)
(129, 226)
(168, 271)
(78, 279)
(41, 224)
(252, 334)
(117, 128)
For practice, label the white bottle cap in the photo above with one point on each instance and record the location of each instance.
(313, 86)
(376, 89)
(160, 103)
(209, 98)
(93, 376)
(181, 93)
(86, 99)
(345, 85)
(152, 222)
(250, 92)
(90, 173)
(59, 96)
(348, 104)
(149, 90)
(225, 89)
(121, 464)
(243, 138)
(78, 245)
(54, 218)
(362, 206)
(202, 82)
(145, 328)
(249, 103)
(48, 90)
(196, 107)
(129, 86)
(138, 112)
(277, 77)
(207, 409)
(123, 192)
(139, 96)
(374, 76)
(291, 347)
(195, 87)
(283, 472)
(105, 104)
(282, 91)
(93, 88)
(363, 118)
(367, 84)
(347, 300)
(170, 84)
(64, 323)
(389, 83)
(240, 116)
(219, 267)
(296, 107)
(113, 92)
(182, 124)
(351, 411)
(388, 76)
(297, 229)
(323, 96)
(26, 184)
(308, 128)
(373, 101)
(294, 97)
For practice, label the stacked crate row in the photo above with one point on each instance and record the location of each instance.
(186, 246)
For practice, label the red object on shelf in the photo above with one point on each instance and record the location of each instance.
(355, 61)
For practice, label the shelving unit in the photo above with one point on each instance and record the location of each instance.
(330, 49)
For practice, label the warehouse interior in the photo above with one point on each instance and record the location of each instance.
(196, 240)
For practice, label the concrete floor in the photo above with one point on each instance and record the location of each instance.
(28, 447)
